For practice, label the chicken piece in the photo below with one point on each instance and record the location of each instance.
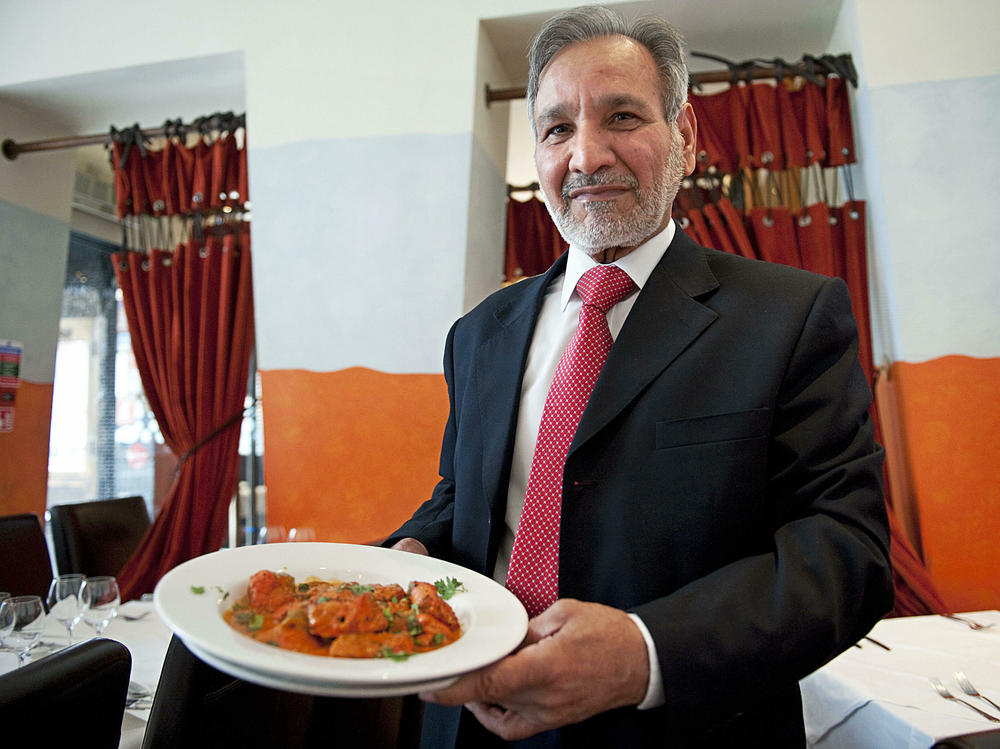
(428, 601)
(370, 645)
(269, 591)
(332, 617)
(292, 633)
(387, 592)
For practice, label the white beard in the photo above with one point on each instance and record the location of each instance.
(603, 227)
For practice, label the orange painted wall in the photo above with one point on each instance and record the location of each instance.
(351, 453)
(949, 419)
(24, 452)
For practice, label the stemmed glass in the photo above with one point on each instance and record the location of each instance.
(99, 599)
(64, 600)
(27, 620)
(6, 617)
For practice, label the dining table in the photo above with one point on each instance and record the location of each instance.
(138, 627)
(876, 695)
(879, 694)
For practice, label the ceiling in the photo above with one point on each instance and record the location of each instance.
(735, 29)
(91, 103)
(150, 94)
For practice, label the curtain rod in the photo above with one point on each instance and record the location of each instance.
(811, 68)
(228, 120)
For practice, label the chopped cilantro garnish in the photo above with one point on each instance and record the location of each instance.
(223, 593)
(197, 589)
(438, 638)
(323, 599)
(448, 587)
(256, 622)
(413, 627)
(393, 654)
(357, 588)
(303, 587)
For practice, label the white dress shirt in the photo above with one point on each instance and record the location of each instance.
(557, 323)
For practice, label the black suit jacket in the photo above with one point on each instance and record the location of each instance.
(723, 484)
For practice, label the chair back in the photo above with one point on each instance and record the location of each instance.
(73, 698)
(197, 706)
(97, 538)
(26, 569)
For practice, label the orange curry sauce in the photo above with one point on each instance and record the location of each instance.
(343, 619)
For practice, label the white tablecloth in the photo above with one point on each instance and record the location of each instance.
(147, 641)
(871, 697)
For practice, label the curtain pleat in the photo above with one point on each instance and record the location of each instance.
(190, 312)
(533, 243)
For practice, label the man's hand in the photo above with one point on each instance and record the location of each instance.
(578, 659)
(410, 544)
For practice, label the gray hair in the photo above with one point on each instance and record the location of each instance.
(663, 41)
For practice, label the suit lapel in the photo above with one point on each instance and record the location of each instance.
(664, 320)
(500, 362)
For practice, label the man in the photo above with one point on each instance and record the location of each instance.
(719, 528)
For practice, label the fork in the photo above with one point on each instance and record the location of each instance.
(943, 691)
(970, 623)
(966, 686)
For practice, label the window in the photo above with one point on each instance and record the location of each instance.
(104, 440)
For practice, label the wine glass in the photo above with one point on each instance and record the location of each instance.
(27, 616)
(6, 618)
(64, 600)
(99, 599)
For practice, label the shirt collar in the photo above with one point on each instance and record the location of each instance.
(638, 264)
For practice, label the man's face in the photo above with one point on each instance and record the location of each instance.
(608, 162)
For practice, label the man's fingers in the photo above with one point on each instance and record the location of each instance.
(493, 683)
(410, 544)
(506, 724)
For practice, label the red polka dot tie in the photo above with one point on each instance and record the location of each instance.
(533, 575)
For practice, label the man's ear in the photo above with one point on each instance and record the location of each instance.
(687, 124)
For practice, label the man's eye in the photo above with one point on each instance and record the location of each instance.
(556, 130)
(622, 117)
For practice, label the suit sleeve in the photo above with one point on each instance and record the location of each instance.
(431, 524)
(769, 619)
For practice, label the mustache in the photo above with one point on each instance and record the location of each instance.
(597, 178)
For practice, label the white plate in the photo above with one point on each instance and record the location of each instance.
(318, 688)
(493, 620)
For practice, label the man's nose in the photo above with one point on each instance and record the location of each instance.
(591, 151)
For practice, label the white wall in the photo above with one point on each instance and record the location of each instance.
(925, 118)
(374, 166)
(34, 241)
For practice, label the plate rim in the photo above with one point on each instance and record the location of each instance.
(232, 647)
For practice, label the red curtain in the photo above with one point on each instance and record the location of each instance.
(190, 315)
(533, 242)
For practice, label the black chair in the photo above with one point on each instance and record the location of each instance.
(97, 538)
(73, 698)
(199, 707)
(979, 740)
(26, 569)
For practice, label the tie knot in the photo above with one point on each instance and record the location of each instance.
(603, 286)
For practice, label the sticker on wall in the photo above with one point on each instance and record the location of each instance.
(10, 364)
(10, 380)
